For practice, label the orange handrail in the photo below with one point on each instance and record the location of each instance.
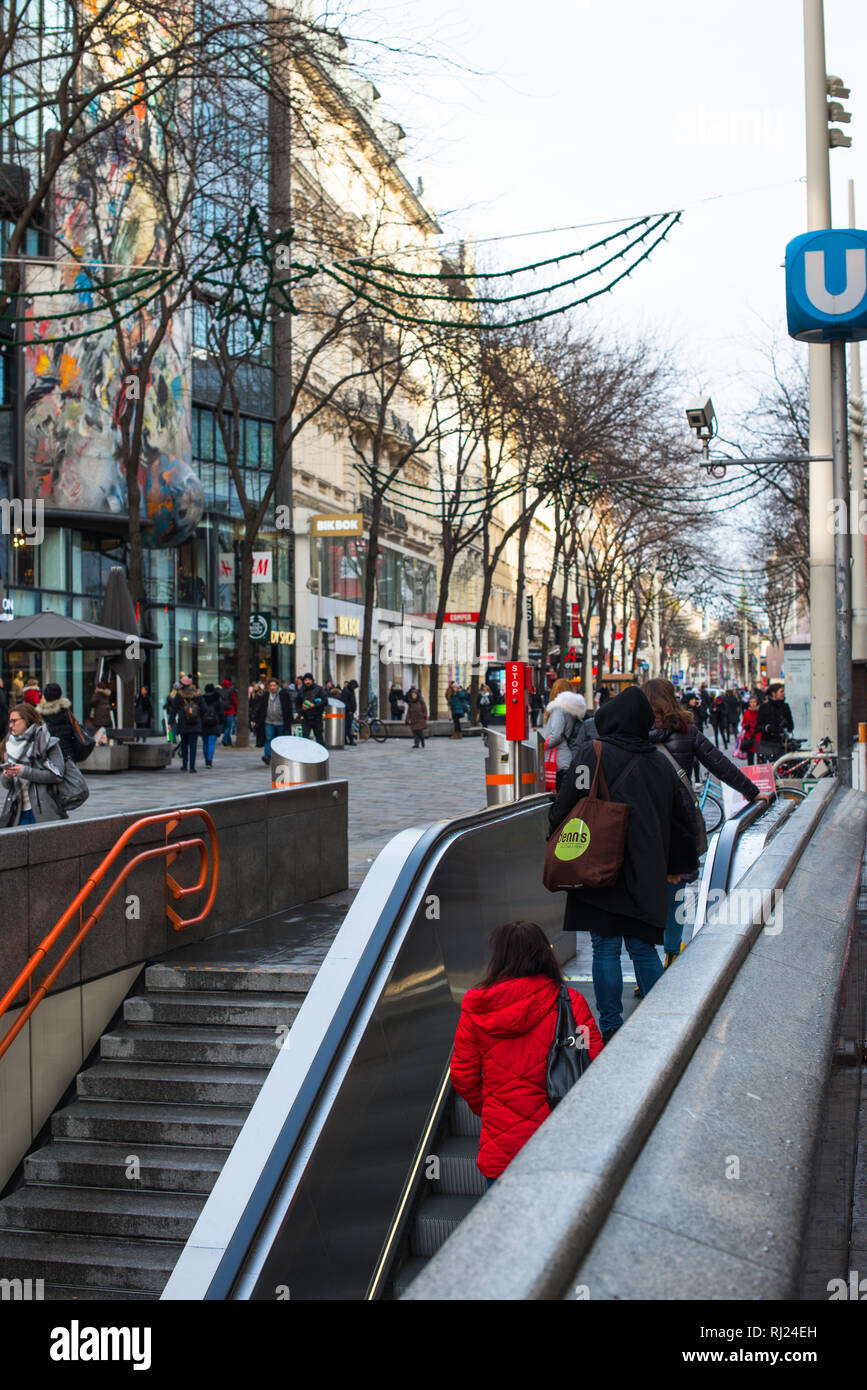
(169, 851)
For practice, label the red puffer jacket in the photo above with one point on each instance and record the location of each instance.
(500, 1061)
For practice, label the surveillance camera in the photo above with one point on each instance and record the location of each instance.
(701, 418)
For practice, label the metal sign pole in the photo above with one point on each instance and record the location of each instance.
(842, 570)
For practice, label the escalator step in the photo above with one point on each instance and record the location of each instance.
(461, 1118)
(459, 1175)
(437, 1218)
(406, 1274)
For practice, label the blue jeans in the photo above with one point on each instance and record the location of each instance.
(188, 750)
(27, 818)
(271, 731)
(608, 976)
(209, 743)
(673, 927)
(229, 729)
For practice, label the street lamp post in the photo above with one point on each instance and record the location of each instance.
(821, 486)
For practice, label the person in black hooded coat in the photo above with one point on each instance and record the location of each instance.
(660, 846)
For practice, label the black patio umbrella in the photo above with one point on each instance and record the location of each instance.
(118, 614)
(53, 632)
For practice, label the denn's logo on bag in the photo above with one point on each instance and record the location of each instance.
(574, 840)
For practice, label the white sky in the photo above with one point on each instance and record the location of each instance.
(583, 111)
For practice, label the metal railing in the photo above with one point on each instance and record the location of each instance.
(169, 851)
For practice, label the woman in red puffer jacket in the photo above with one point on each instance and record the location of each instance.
(504, 1036)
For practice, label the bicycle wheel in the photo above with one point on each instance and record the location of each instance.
(790, 794)
(363, 730)
(380, 732)
(713, 813)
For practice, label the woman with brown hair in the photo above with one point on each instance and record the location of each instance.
(675, 730)
(32, 763)
(504, 1036)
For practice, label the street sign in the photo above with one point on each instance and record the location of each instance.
(826, 286)
(516, 700)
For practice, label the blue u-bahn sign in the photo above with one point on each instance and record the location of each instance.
(826, 286)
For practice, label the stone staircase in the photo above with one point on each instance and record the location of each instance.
(107, 1205)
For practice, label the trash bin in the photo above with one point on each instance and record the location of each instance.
(498, 767)
(295, 761)
(334, 724)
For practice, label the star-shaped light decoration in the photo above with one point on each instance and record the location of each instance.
(251, 275)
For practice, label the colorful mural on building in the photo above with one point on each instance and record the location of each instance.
(105, 224)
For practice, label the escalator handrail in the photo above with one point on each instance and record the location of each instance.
(729, 835)
(433, 839)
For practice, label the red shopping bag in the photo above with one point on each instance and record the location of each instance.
(550, 769)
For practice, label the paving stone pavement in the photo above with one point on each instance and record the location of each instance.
(392, 786)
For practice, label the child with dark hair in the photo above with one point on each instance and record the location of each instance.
(504, 1036)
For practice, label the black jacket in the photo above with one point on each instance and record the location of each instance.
(317, 696)
(189, 699)
(212, 711)
(55, 714)
(286, 705)
(144, 711)
(775, 720)
(685, 745)
(661, 836)
(347, 695)
(733, 709)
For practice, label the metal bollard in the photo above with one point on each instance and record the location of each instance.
(499, 767)
(860, 779)
(334, 724)
(297, 761)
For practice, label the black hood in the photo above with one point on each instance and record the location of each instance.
(626, 721)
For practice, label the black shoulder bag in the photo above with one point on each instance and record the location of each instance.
(569, 1057)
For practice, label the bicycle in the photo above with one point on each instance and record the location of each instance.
(801, 767)
(369, 727)
(710, 806)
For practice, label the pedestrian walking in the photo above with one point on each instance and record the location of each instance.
(775, 723)
(416, 717)
(33, 764)
(750, 741)
(211, 719)
(143, 712)
(187, 708)
(486, 700)
(564, 712)
(396, 698)
(675, 730)
(312, 708)
(719, 721)
(537, 704)
(99, 714)
(257, 702)
(31, 692)
(350, 705)
(660, 843)
(456, 707)
(54, 710)
(229, 710)
(504, 1037)
(274, 715)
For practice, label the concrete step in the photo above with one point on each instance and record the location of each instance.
(213, 977)
(187, 1042)
(461, 1118)
(94, 1212)
(156, 1082)
(437, 1218)
(162, 1168)
(459, 1176)
(85, 1262)
(217, 1007)
(128, 1124)
(405, 1275)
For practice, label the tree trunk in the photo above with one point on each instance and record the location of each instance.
(442, 603)
(244, 609)
(369, 602)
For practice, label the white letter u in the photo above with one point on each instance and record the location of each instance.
(856, 281)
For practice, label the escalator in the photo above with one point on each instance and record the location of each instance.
(357, 1161)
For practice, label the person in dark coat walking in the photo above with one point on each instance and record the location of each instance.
(660, 844)
(350, 705)
(396, 698)
(33, 767)
(775, 722)
(675, 730)
(54, 709)
(256, 705)
(143, 712)
(212, 711)
(313, 701)
(719, 720)
(273, 714)
(187, 708)
(100, 708)
(416, 717)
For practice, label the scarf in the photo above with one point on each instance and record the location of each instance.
(19, 750)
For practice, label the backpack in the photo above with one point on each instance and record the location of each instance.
(191, 713)
(227, 698)
(83, 743)
(73, 790)
(210, 718)
(587, 849)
